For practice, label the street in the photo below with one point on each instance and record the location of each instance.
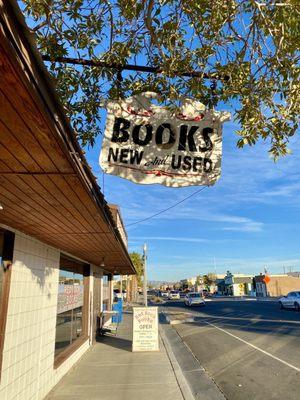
(250, 349)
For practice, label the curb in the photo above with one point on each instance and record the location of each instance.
(267, 299)
(194, 382)
(182, 382)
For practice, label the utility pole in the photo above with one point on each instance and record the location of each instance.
(145, 274)
(215, 268)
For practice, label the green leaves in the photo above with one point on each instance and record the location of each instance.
(138, 263)
(256, 44)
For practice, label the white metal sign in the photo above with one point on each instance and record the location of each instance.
(148, 143)
(145, 329)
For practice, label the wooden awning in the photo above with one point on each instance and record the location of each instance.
(47, 189)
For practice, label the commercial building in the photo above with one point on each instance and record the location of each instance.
(59, 242)
(188, 283)
(276, 285)
(238, 284)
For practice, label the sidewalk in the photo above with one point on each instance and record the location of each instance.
(109, 370)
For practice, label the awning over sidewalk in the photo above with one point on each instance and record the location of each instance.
(46, 187)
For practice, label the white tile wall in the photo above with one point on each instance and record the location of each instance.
(28, 356)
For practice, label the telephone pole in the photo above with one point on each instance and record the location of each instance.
(145, 274)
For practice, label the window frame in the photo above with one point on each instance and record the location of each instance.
(65, 354)
(7, 256)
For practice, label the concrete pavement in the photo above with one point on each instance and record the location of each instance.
(109, 370)
(201, 385)
(250, 349)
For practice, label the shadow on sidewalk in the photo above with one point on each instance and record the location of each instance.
(116, 342)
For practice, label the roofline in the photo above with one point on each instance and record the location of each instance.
(63, 124)
(118, 208)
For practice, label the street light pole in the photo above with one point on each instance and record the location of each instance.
(145, 275)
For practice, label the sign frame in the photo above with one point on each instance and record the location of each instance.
(148, 143)
(145, 329)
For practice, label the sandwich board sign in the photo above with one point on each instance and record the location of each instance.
(145, 329)
(148, 143)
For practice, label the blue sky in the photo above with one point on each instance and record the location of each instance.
(248, 221)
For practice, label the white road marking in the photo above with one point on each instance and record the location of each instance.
(254, 347)
(276, 321)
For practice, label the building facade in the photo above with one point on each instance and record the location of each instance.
(238, 285)
(276, 285)
(59, 243)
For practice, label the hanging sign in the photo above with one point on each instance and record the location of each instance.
(145, 329)
(148, 143)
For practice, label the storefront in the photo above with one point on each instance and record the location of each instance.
(276, 285)
(59, 243)
(238, 285)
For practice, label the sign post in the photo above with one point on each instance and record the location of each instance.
(145, 329)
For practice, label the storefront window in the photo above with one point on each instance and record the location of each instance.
(105, 280)
(71, 304)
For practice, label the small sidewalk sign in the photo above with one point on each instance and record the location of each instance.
(145, 329)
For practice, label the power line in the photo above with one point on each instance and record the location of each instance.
(167, 209)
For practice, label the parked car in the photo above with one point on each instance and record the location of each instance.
(194, 299)
(206, 293)
(182, 295)
(173, 295)
(118, 295)
(292, 300)
(151, 292)
(164, 294)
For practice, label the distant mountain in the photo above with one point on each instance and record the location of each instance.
(158, 283)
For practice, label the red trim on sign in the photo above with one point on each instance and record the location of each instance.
(156, 172)
(147, 113)
(185, 118)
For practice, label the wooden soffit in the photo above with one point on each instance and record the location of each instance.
(46, 187)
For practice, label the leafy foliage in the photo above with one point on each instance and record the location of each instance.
(255, 43)
(209, 279)
(138, 263)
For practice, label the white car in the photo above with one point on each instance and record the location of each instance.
(194, 299)
(292, 300)
(164, 294)
(173, 295)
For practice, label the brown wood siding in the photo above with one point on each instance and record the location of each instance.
(42, 188)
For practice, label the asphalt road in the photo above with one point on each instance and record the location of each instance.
(251, 349)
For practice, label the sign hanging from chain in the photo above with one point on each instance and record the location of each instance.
(148, 143)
